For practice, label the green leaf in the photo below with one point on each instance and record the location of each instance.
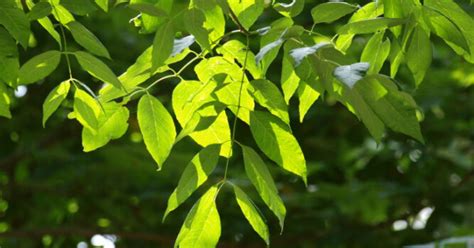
(81, 8)
(368, 11)
(270, 97)
(39, 67)
(261, 178)
(215, 20)
(149, 9)
(54, 99)
(447, 30)
(9, 62)
(87, 110)
(61, 14)
(46, 23)
(5, 101)
(236, 50)
(289, 80)
(195, 174)
(202, 227)
(247, 11)
(98, 69)
(307, 96)
(112, 124)
(331, 11)
(271, 42)
(87, 39)
(103, 4)
(394, 9)
(40, 10)
(157, 127)
(162, 44)
(291, 9)
(419, 54)
(459, 17)
(194, 24)
(370, 26)
(15, 21)
(378, 102)
(187, 98)
(376, 52)
(252, 214)
(275, 139)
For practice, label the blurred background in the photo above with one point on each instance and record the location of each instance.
(359, 194)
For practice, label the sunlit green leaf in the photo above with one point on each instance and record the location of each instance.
(54, 99)
(157, 128)
(419, 54)
(261, 178)
(291, 9)
(275, 139)
(87, 110)
(4, 102)
(246, 11)
(202, 227)
(376, 52)
(307, 96)
(270, 97)
(252, 214)
(195, 174)
(370, 26)
(103, 4)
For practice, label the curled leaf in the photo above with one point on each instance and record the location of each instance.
(181, 44)
(298, 54)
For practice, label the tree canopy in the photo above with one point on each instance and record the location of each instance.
(236, 123)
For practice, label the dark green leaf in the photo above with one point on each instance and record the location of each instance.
(370, 26)
(97, 68)
(162, 44)
(419, 54)
(40, 10)
(331, 11)
(39, 67)
(87, 39)
(15, 21)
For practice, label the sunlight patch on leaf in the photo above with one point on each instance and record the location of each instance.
(351, 74)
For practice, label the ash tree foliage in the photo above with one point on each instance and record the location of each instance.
(231, 82)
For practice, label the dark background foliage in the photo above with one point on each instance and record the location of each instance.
(54, 195)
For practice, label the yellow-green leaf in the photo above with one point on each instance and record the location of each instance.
(157, 128)
(54, 99)
(195, 174)
(261, 178)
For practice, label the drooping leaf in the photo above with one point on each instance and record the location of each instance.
(447, 30)
(459, 17)
(395, 108)
(54, 100)
(5, 101)
(331, 11)
(394, 9)
(270, 97)
(40, 10)
(87, 39)
(39, 67)
(261, 178)
(370, 25)
(291, 9)
(289, 80)
(214, 18)
(351, 74)
(61, 14)
(162, 44)
(252, 214)
(195, 174)
(376, 52)
(112, 124)
(271, 42)
(157, 128)
(275, 139)
(419, 54)
(267, 48)
(98, 69)
(202, 226)
(15, 21)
